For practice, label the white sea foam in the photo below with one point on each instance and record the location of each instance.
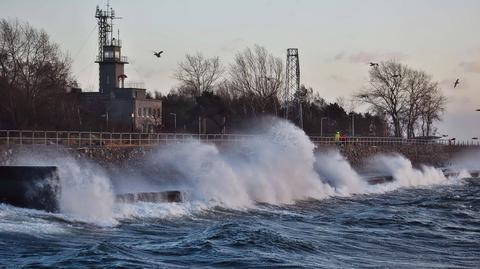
(277, 167)
(85, 189)
(337, 172)
(403, 172)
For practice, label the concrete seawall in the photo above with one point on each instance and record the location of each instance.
(437, 155)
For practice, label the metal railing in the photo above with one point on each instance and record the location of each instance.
(112, 58)
(72, 139)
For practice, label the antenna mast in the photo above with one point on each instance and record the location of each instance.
(105, 28)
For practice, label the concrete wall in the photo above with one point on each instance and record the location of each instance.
(436, 155)
(357, 155)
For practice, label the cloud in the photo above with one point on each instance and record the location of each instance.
(447, 83)
(339, 56)
(365, 57)
(362, 57)
(337, 78)
(232, 45)
(473, 67)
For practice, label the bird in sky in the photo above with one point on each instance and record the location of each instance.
(158, 54)
(455, 84)
(372, 64)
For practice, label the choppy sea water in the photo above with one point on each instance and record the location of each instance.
(270, 201)
(428, 227)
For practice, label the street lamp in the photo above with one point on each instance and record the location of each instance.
(353, 123)
(106, 119)
(321, 125)
(133, 121)
(174, 120)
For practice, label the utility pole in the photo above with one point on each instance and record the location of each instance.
(321, 125)
(353, 123)
(174, 120)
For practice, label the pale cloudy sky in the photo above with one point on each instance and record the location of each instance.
(336, 39)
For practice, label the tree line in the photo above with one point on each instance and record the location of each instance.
(35, 78)
(403, 101)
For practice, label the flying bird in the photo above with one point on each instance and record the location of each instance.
(456, 83)
(158, 54)
(373, 64)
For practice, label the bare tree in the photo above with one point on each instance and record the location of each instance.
(33, 73)
(418, 87)
(198, 73)
(432, 109)
(387, 92)
(258, 75)
(405, 95)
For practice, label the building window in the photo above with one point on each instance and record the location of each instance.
(150, 112)
(145, 112)
(108, 54)
(139, 112)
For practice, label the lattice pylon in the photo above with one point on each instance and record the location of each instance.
(293, 106)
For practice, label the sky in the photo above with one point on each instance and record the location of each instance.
(336, 40)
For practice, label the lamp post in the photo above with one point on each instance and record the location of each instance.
(174, 121)
(106, 119)
(133, 121)
(353, 123)
(321, 125)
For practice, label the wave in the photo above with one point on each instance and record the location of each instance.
(279, 166)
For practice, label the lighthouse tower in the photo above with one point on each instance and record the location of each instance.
(110, 59)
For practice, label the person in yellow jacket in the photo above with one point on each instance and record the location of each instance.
(337, 137)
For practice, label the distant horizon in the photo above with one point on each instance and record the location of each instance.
(336, 40)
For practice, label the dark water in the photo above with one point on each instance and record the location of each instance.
(435, 227)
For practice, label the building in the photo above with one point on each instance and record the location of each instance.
(116, 106)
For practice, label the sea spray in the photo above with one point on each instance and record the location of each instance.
(275, 167)
(465, 161)
(200, 170)
(280, 166)
(403, 172)
(85, 189)
(332, 166)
